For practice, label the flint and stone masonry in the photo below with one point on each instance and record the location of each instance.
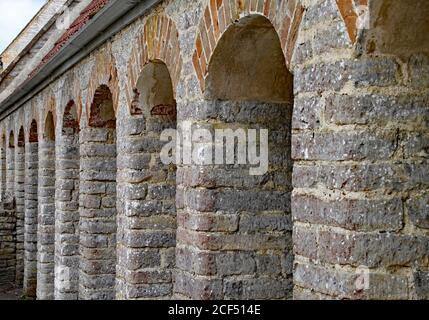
(89, 211)
(31, 212)
(67, 207)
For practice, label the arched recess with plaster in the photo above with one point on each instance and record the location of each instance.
(46, 203)
(98, 175)
(399, 28)
(154, 72)
(31, 209)
(285, 17)
(157, 41)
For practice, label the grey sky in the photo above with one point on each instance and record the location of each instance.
(15, 14)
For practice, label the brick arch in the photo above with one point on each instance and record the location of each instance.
(103, 73)
(50, 104)
(159, 41)
(349, 12)
(33, 115)
(285, 16)
(68, 119)
(71, 92)
(33, 131)
(21, 137)
(18, 121)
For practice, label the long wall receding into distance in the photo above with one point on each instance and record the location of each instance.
(91, 210)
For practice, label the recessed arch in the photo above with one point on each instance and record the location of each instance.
(21, 138)
(49, 130)
(11, 140)
(102, 111)
(399, 28)
(158, 42)
(285, 16)
(156, 93)
(104, 78)
(33, 136)
(251, 41)
(70, 119)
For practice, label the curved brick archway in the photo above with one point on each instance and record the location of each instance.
(286, 17)
(350, 12)
(158, 41)
(50, 111)
(103, 73)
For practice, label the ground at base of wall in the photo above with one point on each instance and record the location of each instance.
(10, 292)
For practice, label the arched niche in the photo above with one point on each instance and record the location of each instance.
(49, 132)
(33, 135)
(249, 64)
(70, 119)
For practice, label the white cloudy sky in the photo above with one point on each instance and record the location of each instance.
(14, 16)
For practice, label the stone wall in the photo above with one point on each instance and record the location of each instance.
(20, 204)
(340, 214)
(359, 140)
(97, 200)
(67, 208)
(46, 221)
(31, 216)
(7, 243)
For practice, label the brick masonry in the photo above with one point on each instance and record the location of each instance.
(344, 202)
